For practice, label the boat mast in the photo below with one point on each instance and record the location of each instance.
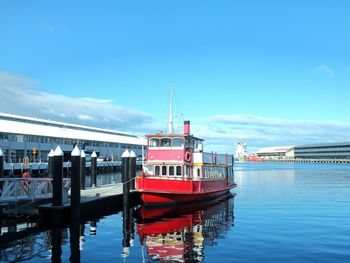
(171, 117)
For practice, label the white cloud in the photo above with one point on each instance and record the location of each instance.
(219, 131)
(19, 97)
(323, 69)
(222, 131)
(85, 117)
(46, 27)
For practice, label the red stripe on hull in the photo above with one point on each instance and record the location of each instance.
(159, 191)
(161, 198)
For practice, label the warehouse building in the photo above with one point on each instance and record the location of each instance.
(340, 150)
(33, 138)
(334, 151)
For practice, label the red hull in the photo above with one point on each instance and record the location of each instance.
(160, 191)
(161, 198)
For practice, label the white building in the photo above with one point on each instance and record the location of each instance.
(34, 138)
(277, 152)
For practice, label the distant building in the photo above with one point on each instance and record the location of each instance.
(34, 138)
(340, 150)
(278, 152)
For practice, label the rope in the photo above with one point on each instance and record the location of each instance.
(117, 186)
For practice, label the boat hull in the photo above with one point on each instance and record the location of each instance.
(153, 198)
(160, 191)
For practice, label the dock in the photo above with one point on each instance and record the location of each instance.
(330, 161)
(100, 199)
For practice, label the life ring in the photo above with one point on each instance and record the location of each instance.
(188, 156)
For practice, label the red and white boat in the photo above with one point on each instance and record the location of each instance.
(178, 170)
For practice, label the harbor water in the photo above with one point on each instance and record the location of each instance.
(279, 212)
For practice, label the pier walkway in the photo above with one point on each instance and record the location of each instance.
(24, 196)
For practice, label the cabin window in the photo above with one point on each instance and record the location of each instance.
(188, 143)
(188, 171)
(178, 170)
(171, 170)
(156, 170)
(154, 142)
(177, 142)
(164, 170)
(165, 142)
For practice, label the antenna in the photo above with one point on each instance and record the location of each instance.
(171, 117)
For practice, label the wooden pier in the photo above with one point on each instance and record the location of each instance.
(331, 161)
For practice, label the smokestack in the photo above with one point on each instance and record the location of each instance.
(187, 127)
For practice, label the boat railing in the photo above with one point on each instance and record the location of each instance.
(217, 158)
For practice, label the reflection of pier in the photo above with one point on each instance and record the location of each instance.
(179, 234)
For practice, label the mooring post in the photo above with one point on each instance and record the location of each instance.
(74, 231)
(132, 169)
(56, 249)
(49, 165)
(1, 166)
(93, 228)
(125, 175)
(75, 186)
(82, 170)
(94, 169)
(74, 228)
(57, 177)
(126, 203)
(1, 163)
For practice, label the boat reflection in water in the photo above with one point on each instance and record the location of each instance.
(180, 233)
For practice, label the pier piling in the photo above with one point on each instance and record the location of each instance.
(56, 241)
(49, 165)
(82, 170)
(57, 175)
(94, 169)
(132, 170)
(125, 176)
(1, 163)
(75, 186)
(126, 160)
(1, 166)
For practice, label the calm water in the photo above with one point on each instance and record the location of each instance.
(280, 213)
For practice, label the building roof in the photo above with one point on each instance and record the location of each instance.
(321, 145)
(276, 149)
(33, 126)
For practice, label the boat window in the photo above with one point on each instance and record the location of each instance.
(165, 142)
(154, 142)
(163, 170)
(177, 142)
(189, 143)
(156, 170)
(198, 172)
(171, 170)
(199, 145)
(178, 170)
(188, 171)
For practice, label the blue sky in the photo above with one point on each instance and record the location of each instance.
(272, 72)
